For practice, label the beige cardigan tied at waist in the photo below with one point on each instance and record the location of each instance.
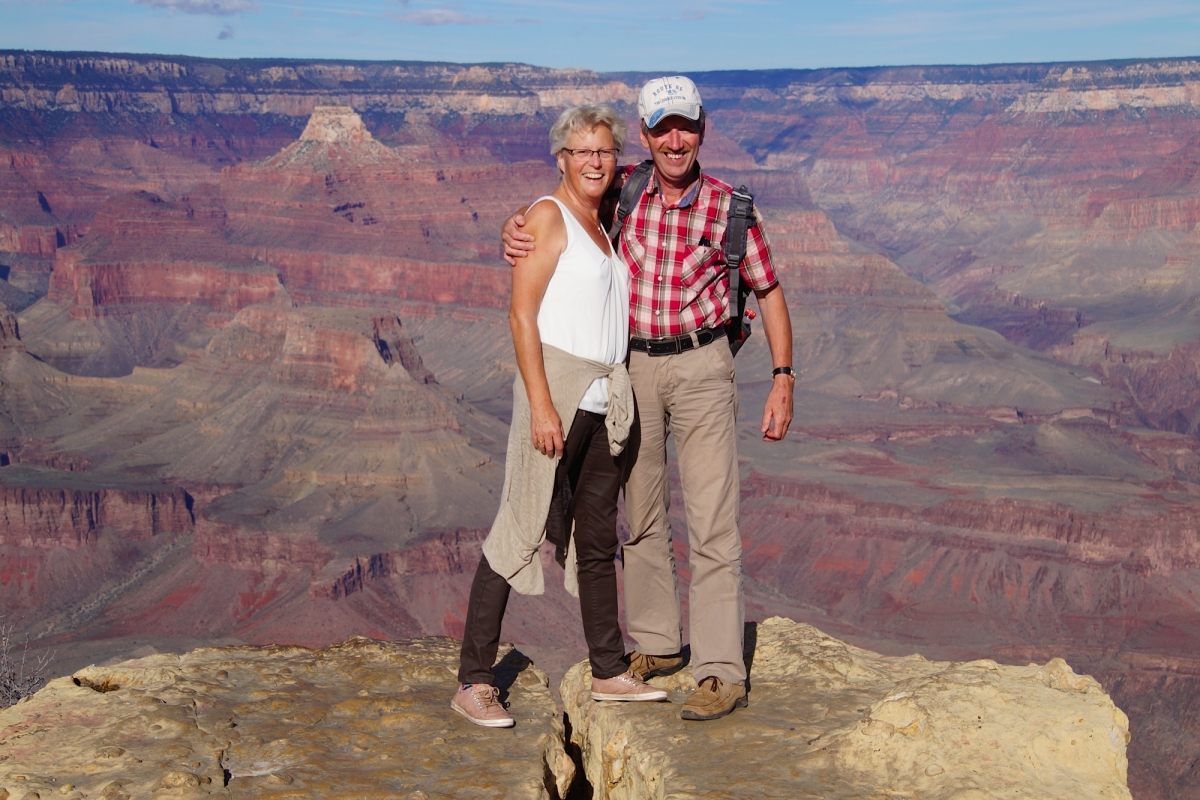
(520, 526)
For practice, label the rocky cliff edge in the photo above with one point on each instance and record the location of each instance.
(363, 719)
(828, 720)
(369, 719)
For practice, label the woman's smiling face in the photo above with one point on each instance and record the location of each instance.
(589, 174)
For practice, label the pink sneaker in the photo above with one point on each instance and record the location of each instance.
(481, 704)
(625, 686)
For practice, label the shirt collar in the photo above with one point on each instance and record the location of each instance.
(689, 196)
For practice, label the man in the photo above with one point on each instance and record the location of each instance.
(683, 379)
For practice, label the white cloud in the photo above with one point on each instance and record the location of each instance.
(216, 8)
(442, 15)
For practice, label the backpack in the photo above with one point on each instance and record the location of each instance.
(737, 222)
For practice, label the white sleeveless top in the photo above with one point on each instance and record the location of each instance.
(585, 310)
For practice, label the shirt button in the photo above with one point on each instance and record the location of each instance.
(658, 313)
(659, 279)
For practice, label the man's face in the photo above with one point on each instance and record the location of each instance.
(674, 144)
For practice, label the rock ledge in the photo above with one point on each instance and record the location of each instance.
(363, 719)
(828, 720)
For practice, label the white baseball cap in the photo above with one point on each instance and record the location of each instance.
(663, 97)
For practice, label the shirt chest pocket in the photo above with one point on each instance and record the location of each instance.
(699, 267)
(636, 254)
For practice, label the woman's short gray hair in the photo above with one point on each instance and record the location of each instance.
(585, 118)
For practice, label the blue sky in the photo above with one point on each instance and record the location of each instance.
(617, 34)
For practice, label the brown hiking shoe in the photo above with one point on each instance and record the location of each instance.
(481, 704)
(713, 699)
(645, 667)
(625, 686)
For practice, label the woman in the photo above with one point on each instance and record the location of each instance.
(572, 408)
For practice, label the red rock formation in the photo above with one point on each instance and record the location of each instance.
(142, 250)
(239, 549)
(38, 240)
(336, 217)
(451, 553)
(1165, 540)
(32, 516)
(365, 281)
(27, 220)
(67, 547)
(10, 333)
(1035, 204)
(1165, 390)
(395, 346)
(865, 329)
(348, 221)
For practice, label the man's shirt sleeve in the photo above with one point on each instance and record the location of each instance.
(757, 270)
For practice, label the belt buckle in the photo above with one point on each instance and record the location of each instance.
(673, 345)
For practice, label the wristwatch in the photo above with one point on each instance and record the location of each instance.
(784, 371)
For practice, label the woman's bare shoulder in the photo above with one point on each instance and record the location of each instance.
(545, 214)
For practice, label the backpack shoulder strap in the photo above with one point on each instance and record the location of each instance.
(635, 186)
(737, 223)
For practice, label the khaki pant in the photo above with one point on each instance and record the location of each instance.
(693, 396)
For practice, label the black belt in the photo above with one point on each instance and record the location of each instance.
(670, 345)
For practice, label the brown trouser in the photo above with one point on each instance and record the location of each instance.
(594, 476)
(691, 395)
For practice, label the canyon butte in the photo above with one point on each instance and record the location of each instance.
(255, 366)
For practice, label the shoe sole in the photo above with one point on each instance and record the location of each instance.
(637, 698)
(692, 715)
(484, 723)
(663, 672)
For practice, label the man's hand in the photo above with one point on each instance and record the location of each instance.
(517, 243)
(777, 413)
(777, 325)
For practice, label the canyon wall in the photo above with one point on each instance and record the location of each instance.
(273, 288)
(46, 518)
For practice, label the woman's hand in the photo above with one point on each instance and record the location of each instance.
(547, 431)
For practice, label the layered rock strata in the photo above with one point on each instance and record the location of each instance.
(71, 517)
(335, 218)
(361, 719)
(144, 250)
(310, 407)
(827, 720)
(979, 495)
(863, 328)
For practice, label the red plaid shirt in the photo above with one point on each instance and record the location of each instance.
(678, 280)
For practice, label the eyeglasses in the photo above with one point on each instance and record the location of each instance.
(583, 154)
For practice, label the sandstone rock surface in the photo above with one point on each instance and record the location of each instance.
(830, 720)
(361, 719)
